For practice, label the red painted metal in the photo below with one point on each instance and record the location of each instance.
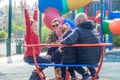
(37, 66)
(75, 45)
(41, 74)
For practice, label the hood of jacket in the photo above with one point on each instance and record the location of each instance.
(87, 24)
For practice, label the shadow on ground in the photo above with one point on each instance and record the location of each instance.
(1, 74)
(112, 56)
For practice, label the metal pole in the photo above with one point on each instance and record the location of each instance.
(104, 14)
(101, 21)
(40, 25)
(110, 36)
(94, 9)
(86, 10)
(73, 15)
(9, 32)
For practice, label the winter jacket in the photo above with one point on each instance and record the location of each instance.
(55, 54)
(85, 34)
(52, 38)
(53, 51)
(69, 55)
(31, 37)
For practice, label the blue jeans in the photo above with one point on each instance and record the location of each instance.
(92, 70)
(70, 69)
(55, 54)
(39, 59)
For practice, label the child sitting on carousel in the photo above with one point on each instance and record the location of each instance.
(31, 37)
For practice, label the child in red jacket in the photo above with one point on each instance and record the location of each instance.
(32, 37)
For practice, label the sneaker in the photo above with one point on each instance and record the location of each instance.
(97, 78)
(62, 78)
(86, 77)
(34, 76)
(73, 78)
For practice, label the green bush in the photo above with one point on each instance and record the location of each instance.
(45, 32)
(116, 41)
(17, 28)
(3, 34)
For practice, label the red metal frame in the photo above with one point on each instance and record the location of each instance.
(41, 74)
(100, 64)
(74, 45)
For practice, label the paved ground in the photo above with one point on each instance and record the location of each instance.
(18, 70)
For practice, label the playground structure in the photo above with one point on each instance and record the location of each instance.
(51, 11)
(108, 26)
(62, 11)
(66, 6)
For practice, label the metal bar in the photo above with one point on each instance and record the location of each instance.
(76, 45)
(9, 31)
(40, 25)
(101, 21)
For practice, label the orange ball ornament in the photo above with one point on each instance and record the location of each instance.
(115, 27)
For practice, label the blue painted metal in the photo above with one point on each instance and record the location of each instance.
(104, 8)
(104, 14)
(110, 41)
(95, 8)
(101, 21)
(110, 36)
(64, 65)
(73, 15)
(44, 4)
(114, 15)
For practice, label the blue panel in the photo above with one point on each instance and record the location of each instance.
(43, 4)
(114, 15)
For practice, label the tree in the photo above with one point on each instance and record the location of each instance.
(3, 34)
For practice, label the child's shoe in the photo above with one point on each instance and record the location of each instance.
(34, 76)
(73, 78)
(62, 78)
(97, 78)
(86, 76)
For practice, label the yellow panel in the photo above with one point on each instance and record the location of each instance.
(75, 4)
